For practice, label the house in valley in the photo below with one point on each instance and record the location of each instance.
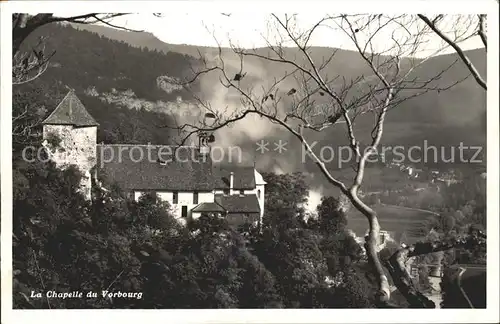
(184, 176)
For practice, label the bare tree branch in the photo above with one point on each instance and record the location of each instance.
(482, 30)
(458, 49)
(29, 66)
(315, 100)
(25, 24)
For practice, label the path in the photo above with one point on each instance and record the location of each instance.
(410, 208)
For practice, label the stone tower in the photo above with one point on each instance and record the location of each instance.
(70, 135)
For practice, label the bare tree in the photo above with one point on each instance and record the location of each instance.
(33, 63)
(314, 100)
(24, 124)
(479, 30)
(29, 65)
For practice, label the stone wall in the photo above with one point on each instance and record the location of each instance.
(69, 145)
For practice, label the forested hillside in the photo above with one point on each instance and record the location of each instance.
(462, 104)
(108, 77)
(444, 118)
(112, 69)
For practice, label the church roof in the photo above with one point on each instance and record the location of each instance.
(208, 207)
(158, 169)
(244, 178)
(70, 111)
(169, 168)
(239, 204)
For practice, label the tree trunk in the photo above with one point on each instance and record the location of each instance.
(403, 281)
(23, 25)
(372, 243)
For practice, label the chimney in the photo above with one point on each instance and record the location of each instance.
(231, 183)
(203, 147)
(204, 150)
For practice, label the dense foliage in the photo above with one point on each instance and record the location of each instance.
(63, 243)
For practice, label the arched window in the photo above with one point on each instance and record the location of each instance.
(258, 193)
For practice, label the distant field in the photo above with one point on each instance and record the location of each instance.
(407, 225)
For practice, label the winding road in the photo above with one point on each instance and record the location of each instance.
(410, 208)
(459, 284)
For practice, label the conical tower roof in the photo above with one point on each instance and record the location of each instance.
(70, 111)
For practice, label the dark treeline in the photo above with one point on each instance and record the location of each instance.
(63, 243)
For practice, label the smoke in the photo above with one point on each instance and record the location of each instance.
(228, 101)
(237, 140)
(313, 200)
(278, 170)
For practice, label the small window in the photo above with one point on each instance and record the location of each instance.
(258, 193)
(195, 197)
(184, 211)
(175, 198)
(242, 192)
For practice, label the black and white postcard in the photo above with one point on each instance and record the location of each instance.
(250, 162)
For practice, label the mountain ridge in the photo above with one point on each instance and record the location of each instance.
(351, 64)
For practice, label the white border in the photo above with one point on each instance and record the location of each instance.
(254, 316)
